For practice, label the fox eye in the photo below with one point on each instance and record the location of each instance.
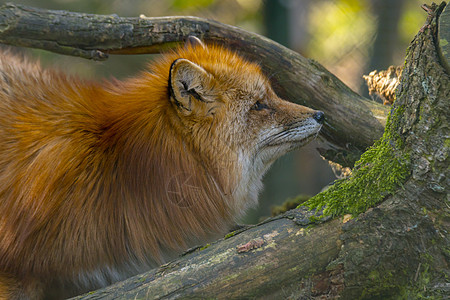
(259, 106)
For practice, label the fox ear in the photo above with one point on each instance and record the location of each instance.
(190, 87)
(193, 41)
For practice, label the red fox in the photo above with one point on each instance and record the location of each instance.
(102, 181)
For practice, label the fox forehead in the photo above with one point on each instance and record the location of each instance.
(243, 85)
(252, 87)
(234, 74)
(241, 81)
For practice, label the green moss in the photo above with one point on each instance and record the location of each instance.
(383, 286)
(379, 172)
(289, 204)
(419, 288)
(204, 247)
(314, 219)
(447, 143)
(231, 234)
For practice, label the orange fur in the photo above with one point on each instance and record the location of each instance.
(102, 181)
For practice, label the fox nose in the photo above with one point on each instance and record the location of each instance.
(319, 116)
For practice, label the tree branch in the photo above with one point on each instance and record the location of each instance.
(223, 267)
(352, 124)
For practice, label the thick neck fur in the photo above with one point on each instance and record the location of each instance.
(167, 177)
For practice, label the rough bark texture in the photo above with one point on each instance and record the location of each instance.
(396, 250)
(353, 123)
(444, 38)
(271, 267)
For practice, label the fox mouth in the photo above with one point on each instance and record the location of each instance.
(295, 135)
(293, 144)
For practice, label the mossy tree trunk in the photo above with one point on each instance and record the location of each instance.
(396, 246)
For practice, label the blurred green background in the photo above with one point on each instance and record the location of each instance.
(349, 37)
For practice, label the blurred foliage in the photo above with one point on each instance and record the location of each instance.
(342, 33)
(413, 16)
(338, 28)
(185, 4)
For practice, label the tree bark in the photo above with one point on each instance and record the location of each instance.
(262, 261)
(352, 124)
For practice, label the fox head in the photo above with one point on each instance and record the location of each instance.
(227, 107)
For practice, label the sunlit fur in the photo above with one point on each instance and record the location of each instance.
(100, 181)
